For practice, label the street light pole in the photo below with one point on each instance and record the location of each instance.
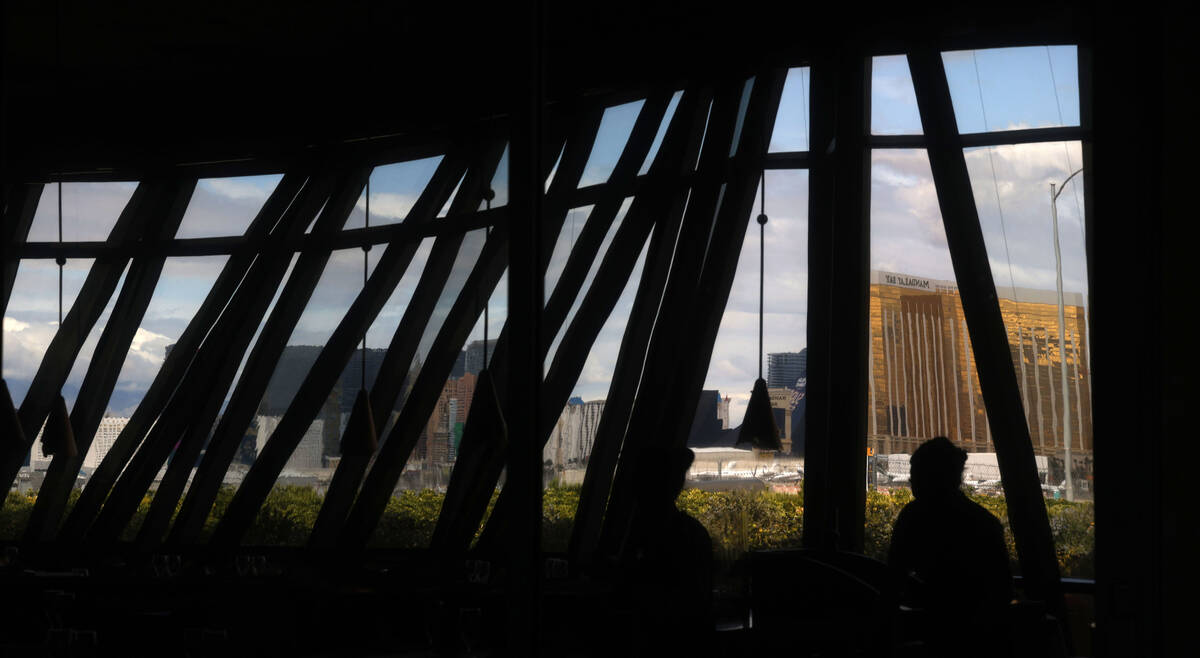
(1062, 348)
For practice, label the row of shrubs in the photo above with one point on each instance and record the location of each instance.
(737, 521)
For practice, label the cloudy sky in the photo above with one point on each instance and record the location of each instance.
(992, 90)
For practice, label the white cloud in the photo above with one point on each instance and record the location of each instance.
(239, 189)
(388, 205)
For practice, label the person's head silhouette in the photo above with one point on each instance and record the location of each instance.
(937, 467)
(661, 474)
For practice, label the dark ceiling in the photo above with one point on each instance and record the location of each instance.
(119, 88)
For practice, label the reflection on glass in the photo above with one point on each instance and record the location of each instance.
(893, 101)
(1013, 88)
(791, 121)
(225, 206)
(89, 211)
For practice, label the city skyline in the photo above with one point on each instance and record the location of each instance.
(992, 89)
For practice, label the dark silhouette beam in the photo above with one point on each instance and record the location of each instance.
(993, 359)
(89, 304)
(107, 359)
(278, 205)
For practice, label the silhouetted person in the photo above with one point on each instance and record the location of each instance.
(668, 562)
(952, 552)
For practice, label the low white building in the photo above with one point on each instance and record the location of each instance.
(571, 440)
(307, 455)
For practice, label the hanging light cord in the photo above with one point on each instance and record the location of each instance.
(61, 260)
(762, 253)
(366, 248)
(487, 232)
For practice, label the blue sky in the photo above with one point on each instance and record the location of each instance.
(993, 90)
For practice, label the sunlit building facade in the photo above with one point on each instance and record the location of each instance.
(923, 381)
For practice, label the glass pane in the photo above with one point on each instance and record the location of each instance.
(379, 336)
(743, 104)
(225, 206)
(394, 190)
(893, 101)
(31, 320)
(750, 499)
(791, 121)
(450, 200)
(597, 259)
(575, 221)
(89, 211)
(340, 283)
(923, 380)
(411, 515)
(181, 289)
(1012, 188)
(615, 127)
(568, 448)
(1013, 88)
(735, 368)
(662, 132)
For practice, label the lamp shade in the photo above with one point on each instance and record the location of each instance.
(360, 438)
(10, 424)
(758, 427)
(58, 438)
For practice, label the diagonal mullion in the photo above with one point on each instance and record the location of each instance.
(279, 204)
(316, 386)
(480, 460)
(679, 151)
(621, 182)
(249, 497)
(340, 498)
(21, 202)
(600, 298)
(210, 388)
(674, 314)
(106, 361)
(985, 324)
(242, 320)
(401, 350)
(89, 304)
(215, 364)
(720, 265)
(393, 455)
(337, 350)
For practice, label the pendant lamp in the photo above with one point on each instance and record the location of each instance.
(758, 427)
(361, 438)
(58, 438)
(485, 405)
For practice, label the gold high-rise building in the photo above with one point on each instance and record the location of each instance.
(923, 381)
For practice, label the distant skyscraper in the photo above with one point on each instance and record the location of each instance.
(106, 435)
(923, 380)
(784, 369)
(474, 355)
